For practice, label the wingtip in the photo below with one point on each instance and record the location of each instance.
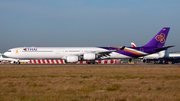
(122, 48)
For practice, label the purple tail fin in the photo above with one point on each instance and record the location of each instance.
(160, 38)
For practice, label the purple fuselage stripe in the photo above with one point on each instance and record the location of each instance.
(148, 50)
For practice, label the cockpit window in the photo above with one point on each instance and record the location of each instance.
(4, 56)
(9, 50)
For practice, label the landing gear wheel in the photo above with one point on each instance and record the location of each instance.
(18, 63)
(130, 60)
(166, 62)
(144, 60)
(92, 62)
(155, 62)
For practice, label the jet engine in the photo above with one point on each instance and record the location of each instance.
(163, 54)
(72, 59)
(89, 56)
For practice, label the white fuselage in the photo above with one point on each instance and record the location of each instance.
(162, 54)
(56, 52)
(152, 56)
(174, 55)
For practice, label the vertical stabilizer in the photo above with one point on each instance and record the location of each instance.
(133, 44)
(159, 39)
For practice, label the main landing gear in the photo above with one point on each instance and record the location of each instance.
(92, 62)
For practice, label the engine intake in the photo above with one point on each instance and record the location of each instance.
(164, 54)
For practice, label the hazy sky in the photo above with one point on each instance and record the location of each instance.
(77, 23)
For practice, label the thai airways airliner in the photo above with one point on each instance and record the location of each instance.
(162, 57)
(75, 54)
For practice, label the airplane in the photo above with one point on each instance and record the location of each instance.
(155, 56)
(11, 60)
(75, 54)
(163, 57)
(133, 44)
(6, 59)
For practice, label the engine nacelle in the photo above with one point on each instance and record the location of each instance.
(72, 59)
(163, 54)
(89, 56)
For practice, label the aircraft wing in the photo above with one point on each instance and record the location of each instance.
(106, 53)
(103, 53)
(163, 48)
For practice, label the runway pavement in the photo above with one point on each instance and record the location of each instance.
(97, 64)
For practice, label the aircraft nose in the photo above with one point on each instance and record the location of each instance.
(6, 54)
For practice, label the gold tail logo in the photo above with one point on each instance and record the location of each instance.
(160, 38)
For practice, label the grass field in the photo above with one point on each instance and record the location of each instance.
(89, 83)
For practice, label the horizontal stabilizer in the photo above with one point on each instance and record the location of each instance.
(163, 48)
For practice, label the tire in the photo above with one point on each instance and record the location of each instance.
(130, 60)
(18, 63)
(144, 60)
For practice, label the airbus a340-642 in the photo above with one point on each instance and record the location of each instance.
(75, 54)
